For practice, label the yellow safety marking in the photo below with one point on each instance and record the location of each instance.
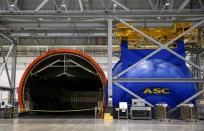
(108, 116)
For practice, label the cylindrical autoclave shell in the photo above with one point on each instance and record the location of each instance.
(62, 79)
(161, 65)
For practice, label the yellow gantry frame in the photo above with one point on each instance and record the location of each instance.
(162, 34)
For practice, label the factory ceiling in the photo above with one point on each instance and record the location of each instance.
(53, 22)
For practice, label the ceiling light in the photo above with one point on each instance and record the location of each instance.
(63, 5)
(167, 4)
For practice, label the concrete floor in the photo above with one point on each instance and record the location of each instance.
(65, 124)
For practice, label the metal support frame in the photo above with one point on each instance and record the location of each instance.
(15, 2)
(151, 4)
(13, 74)
(79, 65)
(171, 4)
(11, 40)
(103, 4)
(134, 14)
(183, 5)
(81, 6)
(2, 88)
(156, 4)
(6, 67)
(162, 46)
(200, 40)
(64, 66)
(45, 67)
(187, 100)
(110, 41)
(12, 79)
(59, 4)
(41, 5)
(6, 59)
(192, 97)
(36, 41)
(121, 5)
(158, 80)
(201, 3)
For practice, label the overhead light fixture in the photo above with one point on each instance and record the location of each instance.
(13, 7)
(158, 18)
(63, 5)
(121, 5)
(167, 4)
(114, 7)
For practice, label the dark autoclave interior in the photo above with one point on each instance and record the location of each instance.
(63, 82)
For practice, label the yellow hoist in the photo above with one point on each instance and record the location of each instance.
(162, 34)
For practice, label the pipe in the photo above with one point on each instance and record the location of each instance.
(62, 79)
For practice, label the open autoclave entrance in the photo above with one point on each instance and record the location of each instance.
(62, 80)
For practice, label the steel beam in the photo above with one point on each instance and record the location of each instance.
(103, 4)
(121, 5)
(81, 6)
(187, 100)
(185, 32)
(110, 41)
(60, 35)
(183, 5)
(171, 4)
(6, 67)
(184, 59)
(79, 65)
(201, 3)
(134, 65)
(7, 2)
(15, 2)
(13, 74)
(45, 67)
(132, 93)
(5, 88)
(100, 14)
(63, 46)
(41, 5)
(11, 40)
(151, 4)
(36, 41)
(192, 97)
(59, 4)
(158, 80)
(156, 5)
(6, 59)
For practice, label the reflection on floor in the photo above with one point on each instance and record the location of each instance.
(66, 124)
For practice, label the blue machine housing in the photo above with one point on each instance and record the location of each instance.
(162, 65)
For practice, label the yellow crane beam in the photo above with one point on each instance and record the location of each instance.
(162, 34)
